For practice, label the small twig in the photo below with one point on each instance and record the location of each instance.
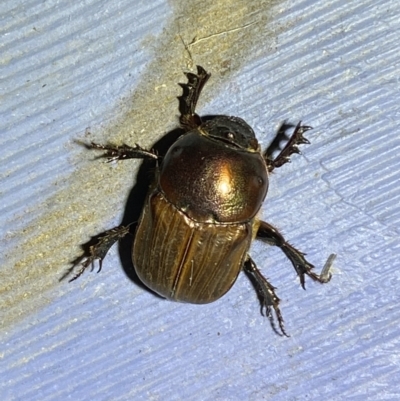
(186, 47)
(195, 41)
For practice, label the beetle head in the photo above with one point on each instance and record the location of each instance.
(233, 131)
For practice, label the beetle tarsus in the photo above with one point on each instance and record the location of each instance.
(123, 152)
(267, 296)
(96, 249)
(188, 101)
(269, 234)
(291, 147)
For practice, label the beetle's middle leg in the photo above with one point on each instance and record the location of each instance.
(269, 234)
(188, 101)
(123, 152)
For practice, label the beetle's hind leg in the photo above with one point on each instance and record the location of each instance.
(96, 248)
(266, 294)
(269, 234)
(188, 101)
(291, 147)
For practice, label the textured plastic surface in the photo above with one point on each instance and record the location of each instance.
(113, 67)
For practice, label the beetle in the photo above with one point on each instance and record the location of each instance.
(200, 215)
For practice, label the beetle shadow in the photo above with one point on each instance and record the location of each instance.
(135, 203)
(280, 136)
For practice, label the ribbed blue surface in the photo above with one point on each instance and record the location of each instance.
(72, 65)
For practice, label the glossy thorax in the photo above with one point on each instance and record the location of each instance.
(197, 224)
(212, 180)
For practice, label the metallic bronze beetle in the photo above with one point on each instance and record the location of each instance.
(200, 215)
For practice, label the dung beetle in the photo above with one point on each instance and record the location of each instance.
(200, 215)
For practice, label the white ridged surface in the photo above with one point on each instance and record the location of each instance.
(69, 66)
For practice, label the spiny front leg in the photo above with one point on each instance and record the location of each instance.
(96, 248)
(266, 294)
(269, 234)
(291, 147)
(188, 101)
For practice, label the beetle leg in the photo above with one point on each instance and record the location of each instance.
(188, 101)
(291, 147)
(269, 234)
(96, 248)
(123, 152)
(266, 293)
